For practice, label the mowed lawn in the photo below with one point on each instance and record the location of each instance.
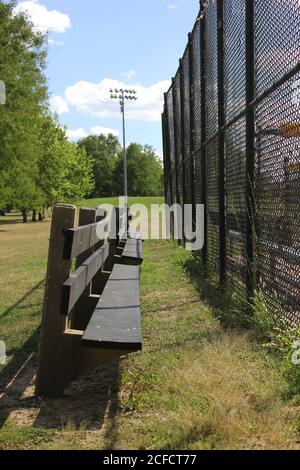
(195, 385)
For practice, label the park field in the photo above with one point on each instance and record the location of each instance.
(198, 383)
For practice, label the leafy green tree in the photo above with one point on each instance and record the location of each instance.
(38, 165)
(22, 62)
(104, 153)
(65, 171)
(144, 169)
(78, 179)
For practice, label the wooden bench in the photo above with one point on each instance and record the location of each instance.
(116, 321)
(132, 251)
(91, 315)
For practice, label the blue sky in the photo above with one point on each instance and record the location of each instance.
(96, 44)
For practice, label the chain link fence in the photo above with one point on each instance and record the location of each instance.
(231, 131)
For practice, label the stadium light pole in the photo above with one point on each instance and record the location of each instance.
(124, 95)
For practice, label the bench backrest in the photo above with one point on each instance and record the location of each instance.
(92, 243)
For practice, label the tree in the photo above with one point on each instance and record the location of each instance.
(103, 151)
(22, 55)
(144, 169)
(65, 171)
(38, 165)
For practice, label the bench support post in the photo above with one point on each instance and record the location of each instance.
(61, 357)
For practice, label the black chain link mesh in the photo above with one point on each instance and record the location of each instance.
(171, 142)
(211, 66)
(278, 196)
(235, 139)
(178, 137)
(167, 163)
(212, 202)
(235, 185)
(234, 57)
(187, 127)
(277, 28)
(196, 110)
(277, 41)
(212, 174)
(276, 184)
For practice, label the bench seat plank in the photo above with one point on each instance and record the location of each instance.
(132, 241)
(116, 321)
(133, 250)
(132, 236)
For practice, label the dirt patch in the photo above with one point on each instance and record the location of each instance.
(84, 405)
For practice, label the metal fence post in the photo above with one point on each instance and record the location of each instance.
(166, 171)
(183, 147)
(176, 150)
(250, 148)
(192, 128)
(221, 152)
(203, 134)
(167, 165)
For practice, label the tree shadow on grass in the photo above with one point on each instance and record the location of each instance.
(19, 302)
(10, 221)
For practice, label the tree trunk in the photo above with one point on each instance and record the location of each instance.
(41, 216)
(34, 219)
(24, 215)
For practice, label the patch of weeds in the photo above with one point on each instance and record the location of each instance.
(194, 436)
(25, 437)
(281, 340)
(262, 320)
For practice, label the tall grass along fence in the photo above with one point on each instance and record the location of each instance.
(231, 132)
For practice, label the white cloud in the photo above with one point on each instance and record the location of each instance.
(53, 42)
(80, 133)
(172, 7)
(76, 134)
(44, 20)
(97, 130)
(160, 154)
(94, 99)
(58, 105)
(130, 74)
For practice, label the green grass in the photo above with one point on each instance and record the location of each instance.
(24, 437)
(201, 382)
(147, 201)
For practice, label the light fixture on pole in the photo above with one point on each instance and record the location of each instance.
(124, 95)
